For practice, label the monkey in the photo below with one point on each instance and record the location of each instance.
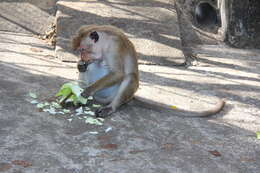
(109, 66)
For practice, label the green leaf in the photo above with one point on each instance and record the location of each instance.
(89, 113)
(96, 106)
(90, 120)
(40, 105)
(46, 104)
(90, 98)
(75, 89)
(74, 99)
(56, 105)
(82, 100)
(63, 92)
(66, 111)
(258, 135)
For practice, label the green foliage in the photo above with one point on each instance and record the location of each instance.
(75, 90)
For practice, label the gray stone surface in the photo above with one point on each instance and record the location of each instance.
(27, 16)
(143, 140)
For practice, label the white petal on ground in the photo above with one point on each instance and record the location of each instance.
(89, 113)
(108, 129)
(93, 133)
(34, 102)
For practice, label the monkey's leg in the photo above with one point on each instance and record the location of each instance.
(125, 93)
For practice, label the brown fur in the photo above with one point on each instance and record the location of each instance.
(87, 29)
(124, 71)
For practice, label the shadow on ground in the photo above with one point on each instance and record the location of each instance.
(141, 139)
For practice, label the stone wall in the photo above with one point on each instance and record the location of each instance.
(244, 25)
(235, 22)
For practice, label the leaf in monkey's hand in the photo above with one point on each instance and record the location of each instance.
(64, 92)
(76, 91)
(71, 87)
(82, 100)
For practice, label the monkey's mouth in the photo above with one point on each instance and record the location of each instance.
(85, 55)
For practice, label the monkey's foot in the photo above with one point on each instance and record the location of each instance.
(104, 112)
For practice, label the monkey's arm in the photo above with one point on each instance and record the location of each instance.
(115, 75)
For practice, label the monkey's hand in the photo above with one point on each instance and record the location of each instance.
(86, 93)
(82, 66)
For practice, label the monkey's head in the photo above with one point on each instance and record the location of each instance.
(84, 32)
(86, 41)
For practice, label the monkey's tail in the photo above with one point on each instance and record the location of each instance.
(149, 104)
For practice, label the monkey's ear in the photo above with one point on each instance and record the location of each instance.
(94, 36)
(75, 43)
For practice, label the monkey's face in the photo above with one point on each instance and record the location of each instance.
(90, 47)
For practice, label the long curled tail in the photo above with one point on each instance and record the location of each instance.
(145, 103)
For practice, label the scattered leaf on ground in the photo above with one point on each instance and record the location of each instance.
(21, 163)
(215, 153)
(66, 111)
(90, 120)
(70, 119)
(257, 135)
(101, 119)
(40, 105)
(109, 146)
(93, 133)
(51, 110)
(32, 95)
(34, 102)
(79, 110)
(96, 106)
(5, 166)
(56, 105)
(87, 108)
(90, 98)
(108, 129)
(89, 113)
(46, 104)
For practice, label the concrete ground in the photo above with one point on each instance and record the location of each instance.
(141, 140)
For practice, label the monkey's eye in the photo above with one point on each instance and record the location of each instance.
(94, 36)
(82, 49)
